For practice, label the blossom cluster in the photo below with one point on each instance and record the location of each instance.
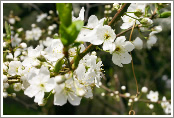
(33, 69)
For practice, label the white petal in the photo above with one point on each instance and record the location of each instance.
(126, 58)
(31, 91)
(92, 21)
(50, 85)
(116, 59)
(129, 46)
(120, 40)
(73, 99)
(39, 96)
(81, 14)
(60, 99)
(107, 45)
(126, 25)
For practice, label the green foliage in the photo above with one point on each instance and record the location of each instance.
(165, 14)
(65, 13)
(58, 65)
(8, 30)
(68, 30)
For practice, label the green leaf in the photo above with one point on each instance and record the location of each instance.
(165, 14)
(8, 30)
(69, 34)
(65, 13)
(58, 65)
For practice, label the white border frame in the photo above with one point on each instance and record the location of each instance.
(2, 2)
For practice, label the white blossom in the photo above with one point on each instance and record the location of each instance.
(81, 15)
(11, 20)
(120, 54)
(41, 17)
(153, 96)
(39, 83)
(15, 68)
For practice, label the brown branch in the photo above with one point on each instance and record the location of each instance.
(119, 13)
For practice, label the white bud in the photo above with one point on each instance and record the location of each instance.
(116, 6)
(54, 25)
(111, 94)
(151, 106)
(144, 89)
(4, 78)
(23, 45)
(24, 53)
(80, 92)
(51, 12)
(129, 104)
(127, 94)
(103, 94)
(15, 59)
(20, 29)
(123, 87)
(130, 100)
(11, 20)
(13, 94)
(5, 44)
(138, 43)
(5, 94)
(33, 25)
(59, 79)
(93, 53)
(136, 99)
(17, 86)
(5, 85)
(48, 17)
(50, 28)
(116, 92)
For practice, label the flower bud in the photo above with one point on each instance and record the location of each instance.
(23, 45)
(13, 95)
(123, 87)
(5, 85)
(59, 79)
(5, 78)
(17, 86)
(116, 6)
(138, 13)
(144, 89)
(146, 21)
(138, 43)
(5, 94)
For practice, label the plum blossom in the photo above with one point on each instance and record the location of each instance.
(35, 34)
(39, 84)
(15, 68)
(54, 51)
(153, 96)
(166, 105)
(127, 21)
(120, 54)
(66, 92)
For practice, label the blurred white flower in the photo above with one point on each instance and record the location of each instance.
(15, 68)
(41, 17)
(11, 20)
(153, 96)
(81, 15)
(166, 105)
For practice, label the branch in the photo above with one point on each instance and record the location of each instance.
(119, 13)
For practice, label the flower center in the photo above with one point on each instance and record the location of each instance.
(42, 85)
(107, 36)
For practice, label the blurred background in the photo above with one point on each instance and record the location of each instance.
(152, 67)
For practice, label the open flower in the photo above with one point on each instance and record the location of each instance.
(15, 68)
(39, 83)
(120, 54)
(66, 92)
(153, 96)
